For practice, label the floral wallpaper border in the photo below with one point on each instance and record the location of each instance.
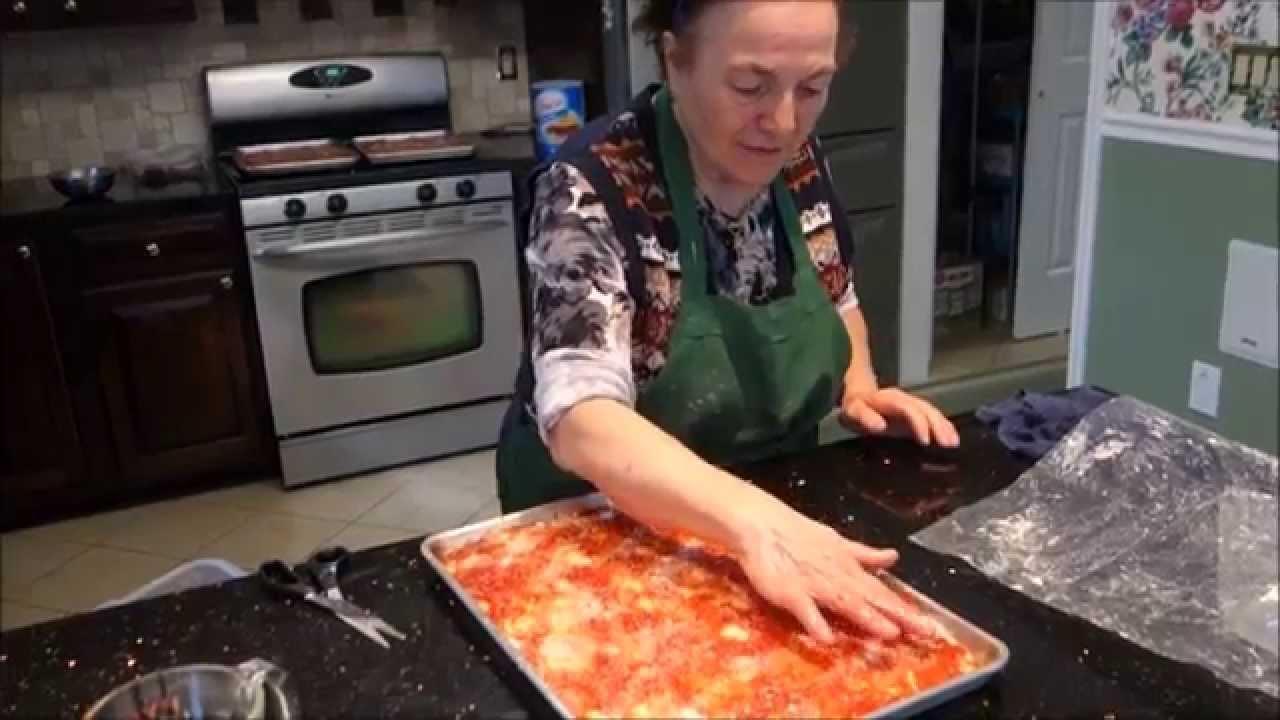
(1172, 58)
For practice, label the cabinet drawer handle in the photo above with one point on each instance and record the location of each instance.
(153, 249)
(19, 8)
(227, 282)
(24, 252)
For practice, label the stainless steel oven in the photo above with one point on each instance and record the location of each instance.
(387, 296)
(376, 319)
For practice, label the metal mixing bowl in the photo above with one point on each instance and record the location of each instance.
(83, 183)
(197, 692)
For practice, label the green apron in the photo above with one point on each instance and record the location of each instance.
(741, 382)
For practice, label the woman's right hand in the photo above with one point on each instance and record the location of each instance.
(801, 566)
(793, 562)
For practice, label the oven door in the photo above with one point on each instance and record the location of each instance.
(388, 315)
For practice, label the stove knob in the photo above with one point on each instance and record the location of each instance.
(466, 189)
(426, 193)
(337, 203)
(295, 209)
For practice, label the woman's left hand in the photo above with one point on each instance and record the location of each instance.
(878, 411)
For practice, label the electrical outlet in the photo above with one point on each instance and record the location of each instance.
(1205, 382)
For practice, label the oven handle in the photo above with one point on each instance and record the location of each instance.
(308, 248)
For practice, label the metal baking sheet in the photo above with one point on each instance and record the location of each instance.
(454, 150)
(283, 168)
(992, 654)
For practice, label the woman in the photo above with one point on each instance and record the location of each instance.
(693, 308)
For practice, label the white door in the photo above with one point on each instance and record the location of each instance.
(1051, 180)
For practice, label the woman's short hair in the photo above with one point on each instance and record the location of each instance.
(677, 16)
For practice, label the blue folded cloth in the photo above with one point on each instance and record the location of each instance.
(1030, 424)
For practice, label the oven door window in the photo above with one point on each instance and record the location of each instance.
(392, 317)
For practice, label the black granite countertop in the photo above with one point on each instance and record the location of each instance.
(34, 197)
(514, 149)
(875, 490)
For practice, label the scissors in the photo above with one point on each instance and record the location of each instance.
(316, 581)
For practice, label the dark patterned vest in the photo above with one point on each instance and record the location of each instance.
(619, 156)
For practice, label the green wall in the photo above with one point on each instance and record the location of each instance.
(1165, 218)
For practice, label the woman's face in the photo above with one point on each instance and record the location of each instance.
(751, 82)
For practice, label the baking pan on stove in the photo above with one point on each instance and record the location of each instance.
(991, 653)
(294, 157)
(411, 147)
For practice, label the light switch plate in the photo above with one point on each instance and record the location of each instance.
(1205, 383)
(1250, 323)
(508, 66)
(1254, 67)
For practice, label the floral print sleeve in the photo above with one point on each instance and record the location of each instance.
(582, 312)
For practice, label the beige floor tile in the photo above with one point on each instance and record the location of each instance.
(438, 495)
(16, 615)
(23, 561)
(88, 530)
(97, 576)
(177, 529)
(488, 511)
(961, 362)
(361, 537)
(473, 472)
(427, 505)
(268, 536)
(1026, 352)
(344, 499)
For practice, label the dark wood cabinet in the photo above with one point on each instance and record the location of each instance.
(27, 15)
(39, 450)
(862, 132)
(150, 249)
(134, 12)
(24, 15)
(877, 236)
(869, 92)
(130, 364)
(867, 169)
(174, 371)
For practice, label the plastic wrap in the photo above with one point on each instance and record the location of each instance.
(1147, 526)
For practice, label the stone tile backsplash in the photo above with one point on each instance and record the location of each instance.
(74, 97)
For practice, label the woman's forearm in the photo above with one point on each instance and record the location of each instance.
(861, 375)
(651, 476)
(794, 563)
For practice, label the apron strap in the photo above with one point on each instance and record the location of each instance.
(803, 272)
(675, 163)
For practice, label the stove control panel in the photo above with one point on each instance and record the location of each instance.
(371, 199)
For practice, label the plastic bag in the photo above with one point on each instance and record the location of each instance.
(1147, 526)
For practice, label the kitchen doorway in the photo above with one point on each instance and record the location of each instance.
(1014, 94)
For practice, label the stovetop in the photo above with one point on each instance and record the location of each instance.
(488, 158)
(496, 171)
(341, 98)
